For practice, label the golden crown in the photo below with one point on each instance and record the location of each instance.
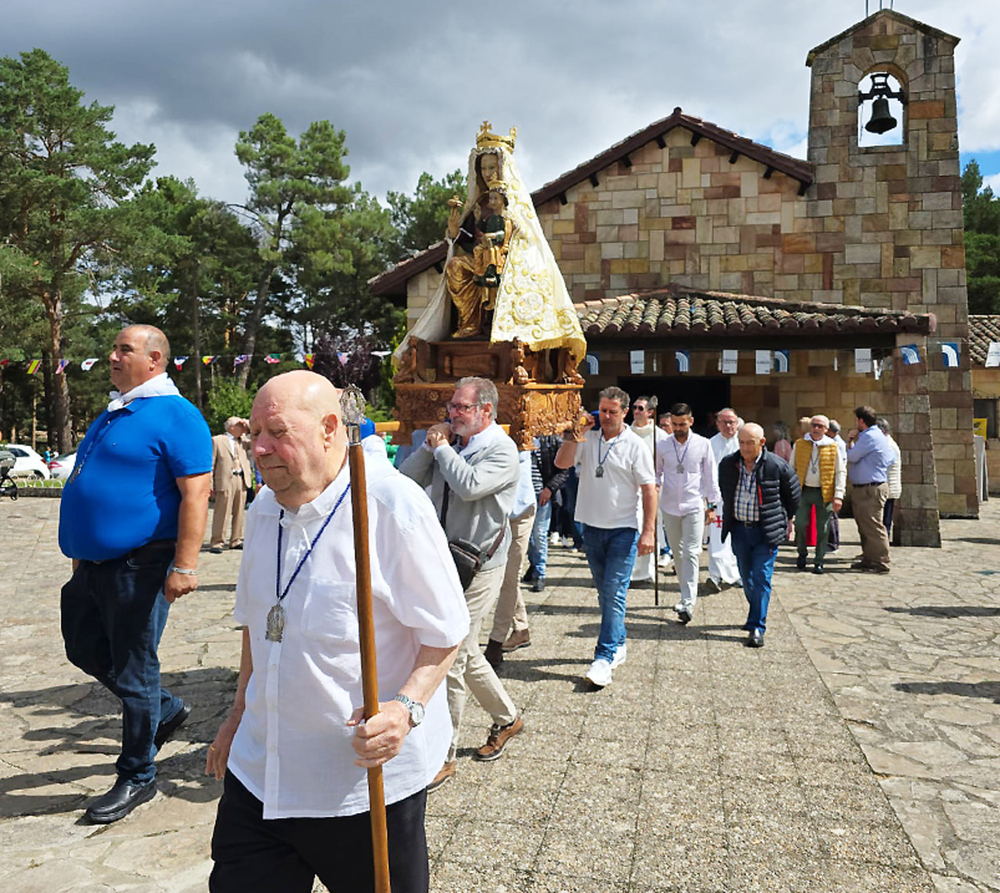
(496, 184)
(486, 138)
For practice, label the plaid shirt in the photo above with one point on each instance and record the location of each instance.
(746, 508)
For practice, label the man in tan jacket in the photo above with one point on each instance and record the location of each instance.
(231, 478)
(822, 473)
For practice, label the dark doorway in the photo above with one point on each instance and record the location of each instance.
(704, 395)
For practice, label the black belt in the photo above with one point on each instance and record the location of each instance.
(745, 523)
(144, 551)
(872, 484)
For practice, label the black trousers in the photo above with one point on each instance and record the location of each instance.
(253, 854)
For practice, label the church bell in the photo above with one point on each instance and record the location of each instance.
(881, 120)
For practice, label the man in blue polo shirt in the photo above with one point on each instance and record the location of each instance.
(133, 519)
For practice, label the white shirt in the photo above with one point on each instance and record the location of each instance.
(293, 748)
(688, 475)
(614, 499)
(648, 432)
(723, 446)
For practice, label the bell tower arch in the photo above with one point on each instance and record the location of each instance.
(888, 218)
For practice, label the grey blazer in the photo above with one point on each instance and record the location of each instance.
(482, 488)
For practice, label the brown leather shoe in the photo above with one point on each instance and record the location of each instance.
(497, 741)
(447, 771)
(520, 638)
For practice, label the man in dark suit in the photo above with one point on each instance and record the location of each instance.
(759, 494)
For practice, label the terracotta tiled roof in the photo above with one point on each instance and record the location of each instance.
(982, 330)
(682, 312)
(393, 282)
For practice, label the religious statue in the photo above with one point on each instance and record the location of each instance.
(500, 273)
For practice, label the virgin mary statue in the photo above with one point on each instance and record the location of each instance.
(530, 301)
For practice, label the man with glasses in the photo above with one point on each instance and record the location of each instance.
(822, 474)
(617, 487)
(722, 567)
(472, 469)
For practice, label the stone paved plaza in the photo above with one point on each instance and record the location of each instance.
(858, 751)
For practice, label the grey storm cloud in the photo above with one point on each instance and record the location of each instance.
(409, 83)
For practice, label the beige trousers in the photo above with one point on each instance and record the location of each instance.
(230, 506)
(510, 607)
(471, 671)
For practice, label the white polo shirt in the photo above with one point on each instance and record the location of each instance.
(293, 747)
(614, 499)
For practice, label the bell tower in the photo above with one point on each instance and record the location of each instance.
(888, 219)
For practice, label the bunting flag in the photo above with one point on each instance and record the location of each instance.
(240, 360)
(273, 358)
(381, 353)
(343, 357)
(309, 359)
(911, 354)
(88, 363)
(862, 360)
(33, 366)
(683, 360)
(762, 362)
(637, 361)
(593, 363)
(208, 359)
(951, 354)
(730, 362)
(62, 365)
(781, 361)
(179, 362)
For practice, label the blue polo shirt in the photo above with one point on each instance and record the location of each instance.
(123, 493)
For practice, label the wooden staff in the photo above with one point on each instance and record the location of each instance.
(353, 403)
(652, 405)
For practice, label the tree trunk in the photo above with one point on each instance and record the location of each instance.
(60, 392)
(253, 323)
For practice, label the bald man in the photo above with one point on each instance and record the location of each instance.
(294, 750)
(132, 519)
(231, 478)
(759, 494)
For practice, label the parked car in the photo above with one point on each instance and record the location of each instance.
(62, 466)
(28, 464)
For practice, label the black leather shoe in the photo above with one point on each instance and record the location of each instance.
(818, 569)
(755, 639)
(119, 801)
(538, 584)
(494, 653)
(165, 730)
(800, 562)
(684, 617)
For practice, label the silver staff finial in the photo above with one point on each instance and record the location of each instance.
(352, 404)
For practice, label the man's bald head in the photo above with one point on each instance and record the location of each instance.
(140, 353)
(298, 439)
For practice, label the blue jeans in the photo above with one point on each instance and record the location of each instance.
(538, 545)
(610, 554)
(755, 557)
(113, 614)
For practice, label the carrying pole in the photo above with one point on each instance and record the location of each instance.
(353, 406)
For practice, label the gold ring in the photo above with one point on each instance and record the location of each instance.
(211, 747)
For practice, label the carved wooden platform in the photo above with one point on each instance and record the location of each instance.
(536, 394)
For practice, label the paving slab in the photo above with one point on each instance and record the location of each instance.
(858, 751)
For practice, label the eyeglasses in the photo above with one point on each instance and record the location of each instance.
(461, 407)
(639, 409)
(817, 425)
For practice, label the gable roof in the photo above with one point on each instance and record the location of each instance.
(393, 282)
(863, 24)
(676, 311)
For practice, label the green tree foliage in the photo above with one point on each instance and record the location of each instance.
(981, 212)
(227, 399)
(421, 220)
(64, 190)
(292, 185)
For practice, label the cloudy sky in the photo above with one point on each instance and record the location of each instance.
(409, 81)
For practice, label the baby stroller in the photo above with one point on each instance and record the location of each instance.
(7, 485)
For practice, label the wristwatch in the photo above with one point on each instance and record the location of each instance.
(415, 709)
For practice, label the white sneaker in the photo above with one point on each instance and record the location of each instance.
(599, 673)
(555, 540)
(665, 561)
(620, 656)
(679, 607)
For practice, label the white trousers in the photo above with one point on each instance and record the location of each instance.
(722, 566)
(684, 533)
